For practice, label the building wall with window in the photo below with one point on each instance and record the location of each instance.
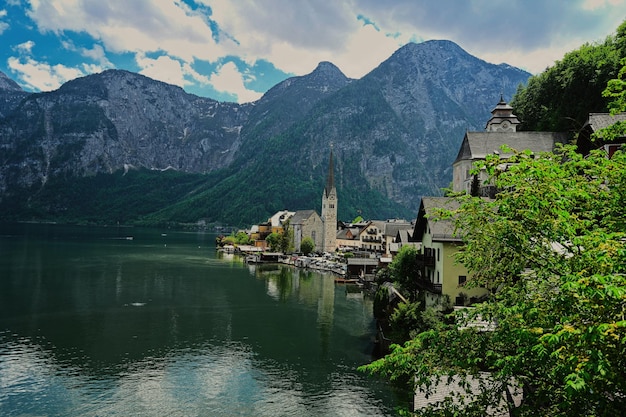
(439, 244)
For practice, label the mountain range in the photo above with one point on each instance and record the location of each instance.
(120, 147)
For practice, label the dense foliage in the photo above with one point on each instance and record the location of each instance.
(154, 198)
(403, 318)
(307, 245)
(561, 98)
(552, 247)
(404, 269)
(122, 198)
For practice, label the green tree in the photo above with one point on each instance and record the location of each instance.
(307, 246)
(616, 90)
(561, 98)
(286, 238)
(274, 241)
(242, 238)
(552, 246)
(405, 271)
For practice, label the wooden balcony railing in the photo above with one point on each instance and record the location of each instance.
(425, 260)
(425, 284)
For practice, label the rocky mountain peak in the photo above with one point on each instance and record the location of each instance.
(8, 84)
(395, 132)
(329, 73)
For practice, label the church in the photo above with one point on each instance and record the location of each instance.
(322, 229)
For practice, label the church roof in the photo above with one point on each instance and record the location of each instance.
(301, 216)
(477, 145)
(502, 106)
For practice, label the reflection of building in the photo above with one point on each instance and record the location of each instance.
(313, 289)
(329, 210)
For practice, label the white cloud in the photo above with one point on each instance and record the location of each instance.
(229, 79)
(3, 25)
(97, 54)
(40, 75)
(169, 70)
(296, 35)
(598, 4)
(138, 26)
(163, 69)
(25, 47)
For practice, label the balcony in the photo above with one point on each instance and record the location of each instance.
(424, 284)
(425, 261)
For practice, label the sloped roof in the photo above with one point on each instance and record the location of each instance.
(279, 218)
(599, 121)
(440, 230)
(301, 216)
(477, 145)
(348, 233)
(404, 236)
(392, 228)
(595, 123)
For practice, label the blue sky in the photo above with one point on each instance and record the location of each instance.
(235, 50)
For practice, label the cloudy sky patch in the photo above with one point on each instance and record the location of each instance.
(236, 50)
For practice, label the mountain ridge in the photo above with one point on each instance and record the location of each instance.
(395, 132)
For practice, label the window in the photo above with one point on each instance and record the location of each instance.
(462, 279)
(438, 254)
(437, 277)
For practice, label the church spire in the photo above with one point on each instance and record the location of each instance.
(330, 179)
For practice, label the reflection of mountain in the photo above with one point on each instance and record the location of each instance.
(173, 318)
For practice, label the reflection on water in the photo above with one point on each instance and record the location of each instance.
(93, 324)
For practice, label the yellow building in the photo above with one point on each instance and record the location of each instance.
(440, 274)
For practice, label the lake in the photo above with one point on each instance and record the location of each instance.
(118, 321)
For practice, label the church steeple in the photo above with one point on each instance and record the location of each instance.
(329, 209)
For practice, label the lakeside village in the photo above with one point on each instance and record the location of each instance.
(355, 252)
(361, 252)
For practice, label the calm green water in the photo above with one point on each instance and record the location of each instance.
(94, 324)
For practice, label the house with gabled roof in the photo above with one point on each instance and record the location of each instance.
(371, 236)
(348, 238)
(595, 123)
(501, 130)
(391, 229)
(440, 275)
